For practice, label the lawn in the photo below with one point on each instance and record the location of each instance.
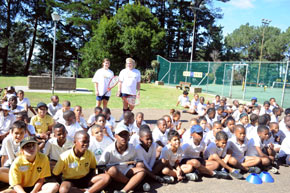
(152, 96)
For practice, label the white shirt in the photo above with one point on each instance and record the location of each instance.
(251, 131)
(285, 147)
(91, 119)
(201, 109)
(212, 149)
(103, 77)
(236, 115)
(129, 79)
(209, 121)
(111, 155)
(209, 138)
(31, 129)
(284, 130)
(83, 122)
(190, 150)
(228, 132)
(186, 137)
(24, 103)
(274, 118)
(9, 148)
(264, 111)
(6, 122)
(134, 139)
(135, 128)
(111, 122)
(53, 109)
(159, 136)
(18, 109)
(53, 150)
(193, 104)
(130, 127)
(109, 131)
(72, 129)
(253, 143)
(148, 157)
(167, 154)
(99, 147)
(183, 100)
(238, 149)
(58, 117)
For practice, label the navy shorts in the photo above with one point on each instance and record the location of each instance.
(201, 160)
(99, 98)
(125, 95)
(83, 182)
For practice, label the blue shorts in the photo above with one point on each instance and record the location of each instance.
(125, 95)
(100, 98)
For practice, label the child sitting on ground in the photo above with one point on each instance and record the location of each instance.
(78, 167)
(58, 117)
(193, 104)
(217, 151)
(71, 125)
(78, 110)
(210, 115)
(92, 118)
(177, 123)
(204, 125)
(186, 138)
(110, 120)
(237, 113)
(58, 144)
(30, 168)
(121, 151)
(238, 146)
(211, 135)
(128, 120)
(171, 157)
(230, 124)
(10, 148)
(252, 129)
(168, 120)
(98, 141)
(6, 121)
(139, 121)
(284, 153)
(146, 152)
(193, 155)
(160, 133)
(24, 102)
(183, 100)
(54, 106)
(266, 108)
(276, 113)
(201, 107)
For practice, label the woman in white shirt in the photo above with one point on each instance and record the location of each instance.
(101, 79)
(129, 83)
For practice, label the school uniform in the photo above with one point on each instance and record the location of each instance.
(23, 103)
(284, 153)
(172, 157)
(98, 147)
(193, 104)
(111, 155)
(253, 143)
(111, 122)
(53, 109)
(264, 111)
(209, 121)
(129, 79)
(238, 150)
(191, 150)
(134, 139)
(53, 150)
(209, 138)
(184, 101)
(103, 77)
(72, 129)
(18, 109)
(251, 131)
(6, 123)
(91, 119)
(159, 136)
(283, 128)
(83, 123)
(10, 149)
(41, 124)
(213, 149)
(201, 109)
(24, 173)
(135, 128)
(228, 132)
(148, 157)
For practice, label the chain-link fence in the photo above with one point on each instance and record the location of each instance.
(238, 80)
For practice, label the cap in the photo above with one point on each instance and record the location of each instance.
(26, 140)
(254, 98)
(120, 128)
(41, 104)
(196, 129)
(10, 88)
(243, 115)
(5, 107)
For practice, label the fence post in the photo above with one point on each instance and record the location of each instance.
(284, 84)
(244, 92)
(208, 69)
(169, 72)
(225, 66)
(232, 79)
(186, 70)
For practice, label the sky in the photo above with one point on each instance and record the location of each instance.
(240, 12)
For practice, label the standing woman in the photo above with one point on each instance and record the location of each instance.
(101, 79)
(129, 83)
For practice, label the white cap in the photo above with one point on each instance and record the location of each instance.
(120, 128)
(5, 107)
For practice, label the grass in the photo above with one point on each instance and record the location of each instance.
(152, 96)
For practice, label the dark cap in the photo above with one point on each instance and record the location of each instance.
(26, 140)
(10, 88)
(196, 129)
(243, 115)
(41, 104)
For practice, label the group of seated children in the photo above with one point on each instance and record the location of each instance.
(58, 151)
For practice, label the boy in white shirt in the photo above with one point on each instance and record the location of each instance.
(238, 146)
(58, 117)
(266, 108)
(210, 115)
(92, 119)
(237, 113)
(98, 142)
(230, 124)
(211, 135)
(101, 81)
(78, 110)
(285, 127)
(6, 121)
(101, 120)
(201, 107)
(183, 100)
(146, 152)
(24, 102)
(284, 153)
(110, 120)
(160, 133)
(139, 121)
(121, 151)
(171, 157)
(54, 106)
(71, 125)
(193, 104)
(218, 151)
(58, 144)
(13, 105)
(276, 112)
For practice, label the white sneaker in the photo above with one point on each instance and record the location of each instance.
(191, 176)
(168, 179)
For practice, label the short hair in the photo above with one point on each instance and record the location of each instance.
(78, 106)
(217, 96)
(262, 128)
(201, 98)
(275, 110)
(210, 110)
(287, 116)
(53, 96)
(68, 114)
(268, 117)
(239, 126)
(216, 123)
(254, 118)
(95, 126)
(272, 124)
(106, 111)
(66, 103)
(98, 109)
(13, 97)
(19, 125)
(266, 103)
(20, 91)
(164, 116)
(59, 125)
(106, 60)
(202, 118)
(144, 130)
(262, 120)
(171, 134)
(221, 135)
(287, 111)
(139, 113)
(128, 115)
(272, 98)
(229, 119)
(241, 105)
(81, 132)
(159, 121)
(195, 119)
(176, 113)
(100, 115)
(185, 92)
(220, 108)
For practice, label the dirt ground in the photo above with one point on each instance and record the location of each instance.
(208, 185)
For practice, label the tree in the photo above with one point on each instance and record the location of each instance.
(132, 32)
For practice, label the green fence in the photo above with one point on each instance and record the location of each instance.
(238, 80)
